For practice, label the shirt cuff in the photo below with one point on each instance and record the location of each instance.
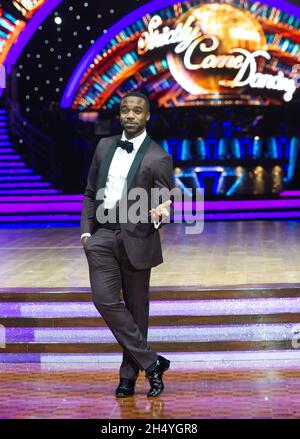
(156, 224)
(85, 234)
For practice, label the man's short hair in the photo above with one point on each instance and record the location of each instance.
(138, 95)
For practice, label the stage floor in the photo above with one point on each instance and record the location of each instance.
(193, 391)
(226, 253)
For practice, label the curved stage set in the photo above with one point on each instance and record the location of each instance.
(223, 80)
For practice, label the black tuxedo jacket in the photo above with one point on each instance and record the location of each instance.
(151, 168)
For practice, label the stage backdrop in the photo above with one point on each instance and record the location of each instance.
(193, 53)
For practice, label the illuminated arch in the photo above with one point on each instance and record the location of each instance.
(88, 59)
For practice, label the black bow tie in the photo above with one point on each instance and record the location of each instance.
(124, 144)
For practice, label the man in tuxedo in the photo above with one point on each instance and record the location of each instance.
(121, 254)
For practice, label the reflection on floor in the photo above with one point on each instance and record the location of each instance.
(193, 391)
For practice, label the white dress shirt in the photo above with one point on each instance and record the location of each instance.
(118, 171)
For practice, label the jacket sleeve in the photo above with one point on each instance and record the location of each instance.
(88, 210)
(164, 178)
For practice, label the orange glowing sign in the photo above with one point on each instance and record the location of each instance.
(218, 49)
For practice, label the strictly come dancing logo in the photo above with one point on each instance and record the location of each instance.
(219, 49)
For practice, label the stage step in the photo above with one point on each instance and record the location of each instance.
(164, 346)
(11, 165)
(45, 220)
(41, 321)
(111, 348)
(57, 295)
(90, 322)
(27, 192)
(27, 185)
(23, 178)
(6, 151)
(50, 206)
(16, 171)
(9, 156)
(13, 175)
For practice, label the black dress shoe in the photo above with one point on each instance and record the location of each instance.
(125, 388)
(155, 374)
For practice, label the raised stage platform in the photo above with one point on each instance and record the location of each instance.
(225, 308)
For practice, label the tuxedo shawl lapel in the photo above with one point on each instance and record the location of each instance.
(106, 162)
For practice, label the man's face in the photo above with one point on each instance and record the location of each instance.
(133, 116)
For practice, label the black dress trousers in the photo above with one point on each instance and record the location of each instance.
(110, 273)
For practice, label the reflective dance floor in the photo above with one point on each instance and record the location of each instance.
(224, 305)
(193, 391)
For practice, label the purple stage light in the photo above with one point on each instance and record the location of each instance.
(42, 198)
(223, 206)
(21, 178)
(290, 194)
(20, 358)
(253, 205)
(73, 203)
(16, 171)
(23, 185)
(252, 332)
(39, 207)
(34, 218)
(11, 164)
(238, 216)
(29, 191)
(220, 307)
(10, 157)
(282, 359)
